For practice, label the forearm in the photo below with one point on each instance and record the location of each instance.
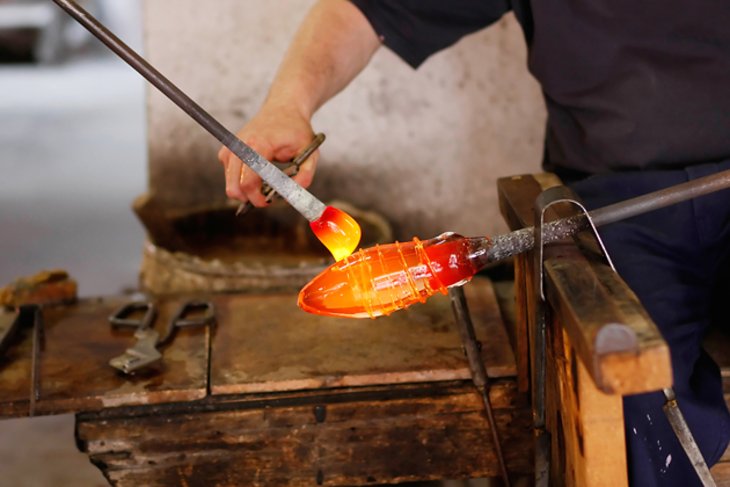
(334, 43)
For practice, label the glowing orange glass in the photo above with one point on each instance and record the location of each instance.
(382, 279)
(338, 231)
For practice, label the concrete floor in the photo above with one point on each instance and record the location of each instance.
(72, 153)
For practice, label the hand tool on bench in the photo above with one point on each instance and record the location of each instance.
(145, 352)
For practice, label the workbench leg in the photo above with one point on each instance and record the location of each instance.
(587, 426)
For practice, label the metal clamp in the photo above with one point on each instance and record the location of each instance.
(145, 352)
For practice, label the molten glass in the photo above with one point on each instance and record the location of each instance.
(382, 279)
(338, 231)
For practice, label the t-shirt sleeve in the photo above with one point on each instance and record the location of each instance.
(415, 29)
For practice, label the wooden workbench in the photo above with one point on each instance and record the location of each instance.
(275, 396)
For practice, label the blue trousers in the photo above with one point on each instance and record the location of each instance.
(677, 261)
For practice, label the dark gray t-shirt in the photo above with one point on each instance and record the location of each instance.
(628, 84)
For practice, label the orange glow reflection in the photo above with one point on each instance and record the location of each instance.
(382, 279)
(338, 231)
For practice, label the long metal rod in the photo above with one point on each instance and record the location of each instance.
(303, 201)
(681, 429)
(478, 371)
(513, 243)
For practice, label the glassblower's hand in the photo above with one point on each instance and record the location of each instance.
(276, 134)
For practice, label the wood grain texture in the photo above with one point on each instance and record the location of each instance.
(588, 446)
(338, 437)
(261, 343)
(265, 343)
(612, 333)
(75, 374)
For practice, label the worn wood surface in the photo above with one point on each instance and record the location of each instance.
(588, 445)
(612, 334)
(261, 343)
(268, 344)
(627, 352)
(361, 436)
(75, 374)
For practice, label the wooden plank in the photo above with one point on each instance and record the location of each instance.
(344, 437)
(268, 344)
(74, 364)
(587, 444)
(721, 474)
(612, 333)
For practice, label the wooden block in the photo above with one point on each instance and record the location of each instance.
(265, 343)
(362, 436)
(46, 287)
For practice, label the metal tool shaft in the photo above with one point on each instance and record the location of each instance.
(690, 447)
(303, 201)
(290, 171)
(513, 243)
(478, 371)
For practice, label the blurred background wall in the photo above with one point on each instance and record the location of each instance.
(422, 147)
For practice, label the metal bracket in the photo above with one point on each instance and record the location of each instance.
(549, 197)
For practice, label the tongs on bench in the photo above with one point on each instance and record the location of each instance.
(145, 351)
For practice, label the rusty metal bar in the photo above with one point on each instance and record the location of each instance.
(513, 243)
(478, 370)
